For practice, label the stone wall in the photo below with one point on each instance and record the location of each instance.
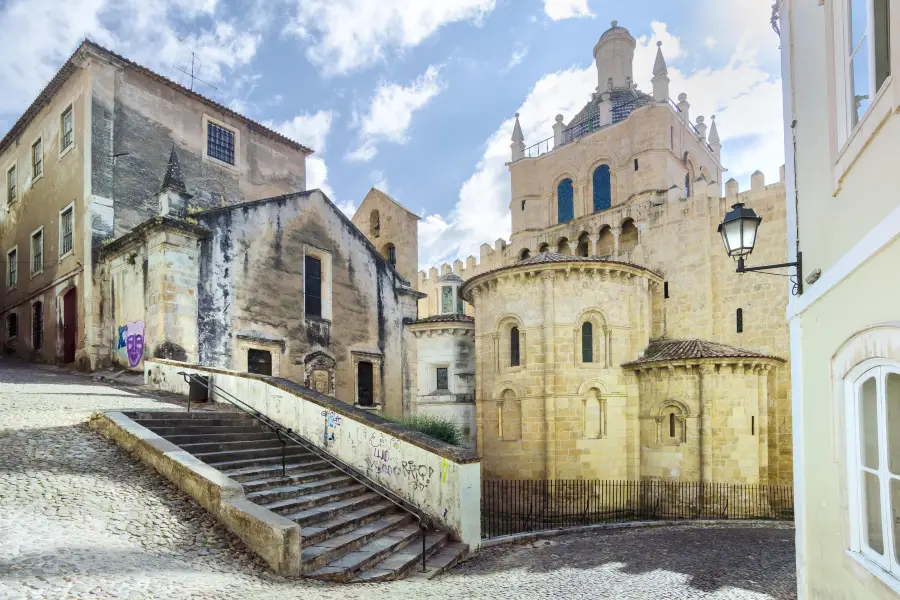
(385, 222)
(252, 296)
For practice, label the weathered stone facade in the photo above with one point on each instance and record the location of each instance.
(633, 181)
(392, 229)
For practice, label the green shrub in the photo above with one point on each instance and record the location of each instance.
(437, 427)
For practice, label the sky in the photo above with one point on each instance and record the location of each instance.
(418, 97)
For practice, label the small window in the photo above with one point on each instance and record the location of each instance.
(524, 254)
(446, 300)
(375, 222)
(392, 255)
(12, 267)
(68, 130)
(672, 137)
(665, 289)
(37, 251)
(37, 159)
(565, 202)
(635, 164)
(65, 230)
(312, 286)
(12, 325)
(220, 143)
(11, 185)
(37, 325)
(752, 425)
(740, 320)
(867, 61)
(442, 383)
(671, 425)
(514, 347)
(259, 361)
(587, 342)
(687, 185)
(523, 206)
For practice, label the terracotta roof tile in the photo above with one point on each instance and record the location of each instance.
(677, 350)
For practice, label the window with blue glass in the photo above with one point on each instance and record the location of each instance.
(687, 185)
(220, 143)
(602, 188)
(565, 201)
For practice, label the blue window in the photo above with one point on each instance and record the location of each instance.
(602, 191)
(565, 201)
(687, 185)
(220, 143)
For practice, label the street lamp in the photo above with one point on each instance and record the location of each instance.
(738, 230)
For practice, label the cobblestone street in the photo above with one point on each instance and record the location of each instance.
(81, 519)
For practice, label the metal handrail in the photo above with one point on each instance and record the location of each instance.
(534, 150)
(288, 434)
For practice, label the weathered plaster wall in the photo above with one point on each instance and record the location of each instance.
(396, 225)
(251, 288)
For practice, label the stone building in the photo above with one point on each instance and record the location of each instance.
(390, 226)
(613, 337)
(83, 165)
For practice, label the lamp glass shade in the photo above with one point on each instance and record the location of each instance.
(738, 231)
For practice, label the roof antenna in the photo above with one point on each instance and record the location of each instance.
(195, 69)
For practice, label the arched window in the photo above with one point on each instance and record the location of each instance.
(687, 185)
(587, 342)
(563, 246)
(524, 254)
(628, 239)
(390, 253)
(510, 414)
(584, 245)
(594, 426)
(544, 248)
(602, 188)
(671, 425)
(565, 201)
(375, 223)
(606, 244)
(514, 347)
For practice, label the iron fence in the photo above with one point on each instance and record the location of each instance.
(509, 507)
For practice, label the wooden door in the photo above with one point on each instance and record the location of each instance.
(364, 383)
(70, 326)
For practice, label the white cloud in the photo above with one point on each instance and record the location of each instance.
(517, 57)
(390, 112)
(567, 9)
(709, 42)
(379, 180)
(40, 35)
(345, 35)
(311, 130)
(744, 98)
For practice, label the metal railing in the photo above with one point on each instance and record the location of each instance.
(691, 125)
(542, 147)
(286, 434)
(510, 507)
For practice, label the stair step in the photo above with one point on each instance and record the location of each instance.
(346, 567)
(403, 561)
(268, 483)
(317, 514)
(318, 555)
(314, 499)
(141, 415)
(154, 424)
(168, 432)
(214, 437)
(266, 472)
(444, 559)
(205, 447)
(266, 452)
(345, 522)
(294, 491)
(272, 464)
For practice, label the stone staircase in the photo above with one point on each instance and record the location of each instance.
(348, 532)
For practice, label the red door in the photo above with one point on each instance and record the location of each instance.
(70, 322)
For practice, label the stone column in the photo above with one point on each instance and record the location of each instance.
(762, 422)
(707, 372)
(573, 248)
(547, 278)
(616, 232)
(594, 237)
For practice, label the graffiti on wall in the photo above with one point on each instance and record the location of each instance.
(131, 341)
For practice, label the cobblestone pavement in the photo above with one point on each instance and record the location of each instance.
(81, 519)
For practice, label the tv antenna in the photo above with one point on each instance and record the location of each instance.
(195, 70)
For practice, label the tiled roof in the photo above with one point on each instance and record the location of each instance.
(624, 101)
(450, 277)
(449, 318)
(71, 66)
(677, 350)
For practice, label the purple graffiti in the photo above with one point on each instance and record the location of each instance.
(134, 342)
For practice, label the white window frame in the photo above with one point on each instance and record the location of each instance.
(71, 251)
(13, 166)
(325, 258)
(889, 563)
(206, 120)
(68, 109)
(39, 230)
(851, 139)
(35, 177)
(10, 282)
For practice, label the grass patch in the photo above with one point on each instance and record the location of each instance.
(437, 427)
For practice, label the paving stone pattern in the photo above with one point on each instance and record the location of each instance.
(81, 519)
